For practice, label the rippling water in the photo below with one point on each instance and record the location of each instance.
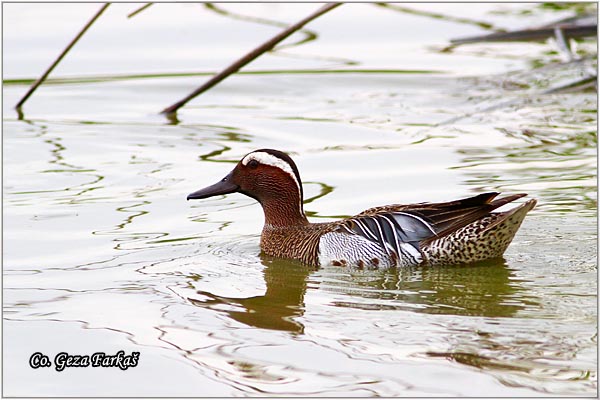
(102, 252)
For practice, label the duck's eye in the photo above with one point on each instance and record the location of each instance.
(253, 164)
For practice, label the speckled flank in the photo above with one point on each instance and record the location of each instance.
(483, 239)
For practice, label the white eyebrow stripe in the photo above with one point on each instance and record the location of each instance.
(269, 159)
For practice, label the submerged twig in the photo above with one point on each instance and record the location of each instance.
(579, 84)
(60, 57)
(268, 45)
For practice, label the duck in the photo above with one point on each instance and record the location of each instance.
(398, 235)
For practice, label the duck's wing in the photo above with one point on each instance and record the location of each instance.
(397, 233)
(394, 227)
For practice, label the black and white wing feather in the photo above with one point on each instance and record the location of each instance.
(397, 233)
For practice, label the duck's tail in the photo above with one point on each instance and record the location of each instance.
(482, 239)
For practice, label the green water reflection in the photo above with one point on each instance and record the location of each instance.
(488, 289)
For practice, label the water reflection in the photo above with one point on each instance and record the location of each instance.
(487, 289)
(444, 17)
(309, 36)
(58, 165)
(278, 308)
(213, 156)
(520, 361)
(529, 324)
(551, 169)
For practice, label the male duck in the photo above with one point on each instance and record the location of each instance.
(455, 232)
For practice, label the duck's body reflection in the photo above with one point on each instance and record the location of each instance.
(487, 289)
(477, 290)
(279, 307)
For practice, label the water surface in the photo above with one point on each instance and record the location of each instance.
(102, 252)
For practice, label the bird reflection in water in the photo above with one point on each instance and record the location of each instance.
(278, 308)
(487, 289)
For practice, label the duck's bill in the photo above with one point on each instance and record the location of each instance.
(223, 187)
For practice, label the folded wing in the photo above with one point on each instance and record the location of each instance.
(401, 229)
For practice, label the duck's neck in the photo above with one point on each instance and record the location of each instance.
(284, 210)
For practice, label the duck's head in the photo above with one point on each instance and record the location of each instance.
(268, 176)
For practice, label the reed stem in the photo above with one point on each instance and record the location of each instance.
(60, 57)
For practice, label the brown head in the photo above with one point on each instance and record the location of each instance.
(270, 177)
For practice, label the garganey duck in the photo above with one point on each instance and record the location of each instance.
(456, 232)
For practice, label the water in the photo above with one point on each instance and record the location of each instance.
(103, 253)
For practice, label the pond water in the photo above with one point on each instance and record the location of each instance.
(102, 253)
